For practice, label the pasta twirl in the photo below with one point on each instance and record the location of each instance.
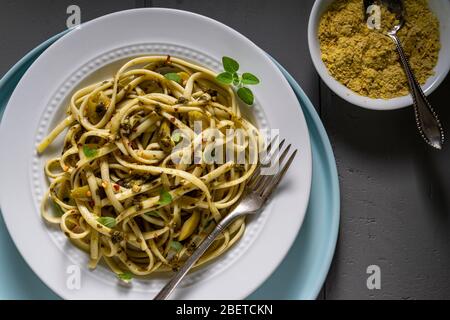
(138, 183)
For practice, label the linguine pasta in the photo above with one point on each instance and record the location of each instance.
(138, 183)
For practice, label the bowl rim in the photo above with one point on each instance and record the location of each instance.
(351, 96)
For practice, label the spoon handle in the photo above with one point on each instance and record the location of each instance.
(426, 118)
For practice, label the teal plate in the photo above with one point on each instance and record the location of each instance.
(301, 274)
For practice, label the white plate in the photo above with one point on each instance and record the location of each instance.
(39, 102)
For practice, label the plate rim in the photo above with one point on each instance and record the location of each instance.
(332, 167)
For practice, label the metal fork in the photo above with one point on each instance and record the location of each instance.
(257, 192)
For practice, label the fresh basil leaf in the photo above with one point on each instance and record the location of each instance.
(89, 152)
(230, 64)
(107, 221)
(248, 78)
(126, 276)
(175, 245)
(246, 95)
(164, 197)
(225, 78)
(153, 214)
(173, 76)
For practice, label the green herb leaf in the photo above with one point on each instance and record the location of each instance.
(176, 137)
(225, 77)
(246, 95)
(207, 225)
(231, 76)
(153, 214)
(126, 276)
(164, 197)
(230, 64)
(175, 245)
(248, 78)
(58, 211)
(107, 221)
(236, 79)
(89, 152)
(173, 76)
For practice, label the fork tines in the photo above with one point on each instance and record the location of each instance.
(263, 185)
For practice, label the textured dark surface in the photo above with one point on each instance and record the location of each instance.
(394, 189)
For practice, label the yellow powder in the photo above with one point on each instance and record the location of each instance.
(365, 60)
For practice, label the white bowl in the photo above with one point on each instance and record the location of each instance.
(441, 9)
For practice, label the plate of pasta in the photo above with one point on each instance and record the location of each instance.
(129, 139)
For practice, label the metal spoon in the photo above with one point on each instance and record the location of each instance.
(426, 118)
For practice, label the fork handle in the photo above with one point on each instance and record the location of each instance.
(426, 118)
(201, 249)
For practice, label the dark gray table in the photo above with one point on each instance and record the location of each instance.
(394, 189)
